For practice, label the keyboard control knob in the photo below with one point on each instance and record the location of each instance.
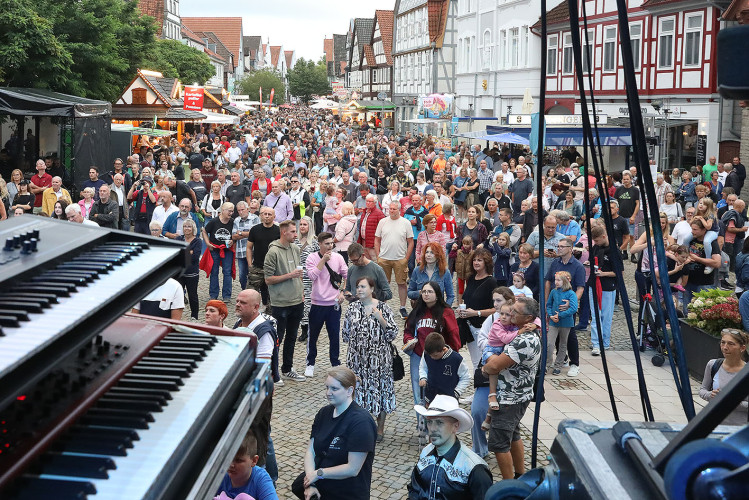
(35, 234)
(9, 244)
(34, 242)
(17, 241)
(26, 248)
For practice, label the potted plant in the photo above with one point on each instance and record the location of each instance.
(709, 312)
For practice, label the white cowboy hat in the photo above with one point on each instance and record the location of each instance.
(447, 406)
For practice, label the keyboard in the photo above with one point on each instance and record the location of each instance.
(60, 282)
(144, 406)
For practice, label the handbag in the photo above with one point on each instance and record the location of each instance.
(336, 280)
(399, 370)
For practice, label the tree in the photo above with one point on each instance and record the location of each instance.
(88, 48)
(177, 60)
(266, 79)
(29, 49)
(307, 79)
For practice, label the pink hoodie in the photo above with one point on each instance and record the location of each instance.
(323, 293)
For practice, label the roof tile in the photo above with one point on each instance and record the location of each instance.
(385, 22)
(155, 9)
(289, 55)
(437, 12)
(275, 54)
(558, 14)
(228, 29)
(328, 49)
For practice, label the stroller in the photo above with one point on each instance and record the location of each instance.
(648, 331)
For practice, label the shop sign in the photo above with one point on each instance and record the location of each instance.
(701, 150)
(193, 98)
(553, 120)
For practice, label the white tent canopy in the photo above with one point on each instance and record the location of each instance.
(211, 117)
(324, 104)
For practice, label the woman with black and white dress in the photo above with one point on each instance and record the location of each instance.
(307, 243)
(369, 328)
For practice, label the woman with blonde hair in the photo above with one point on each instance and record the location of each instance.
(87, 202)
(211, 205)
(719, 372)
(13, 185)
(345, 229)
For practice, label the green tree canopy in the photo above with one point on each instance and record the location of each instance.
(268, 79)
(89, 48)
(177, 60)
(307, 79)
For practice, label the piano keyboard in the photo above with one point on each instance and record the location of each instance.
(36, 311)
(61, 283)
(130, 443)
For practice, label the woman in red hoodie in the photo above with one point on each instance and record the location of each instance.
(430, 314)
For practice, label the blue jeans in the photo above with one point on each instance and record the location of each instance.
(479, 409)
(414, 361)
(607, 316)
(225, 264)
(690, 290)
(271, 463)
(744, 309)
(242, 270)
(332, 319)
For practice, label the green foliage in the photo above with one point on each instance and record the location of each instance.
(307, 79)
(177, 60)
(88, 48)
(268, 79)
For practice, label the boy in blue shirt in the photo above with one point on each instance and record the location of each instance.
(244, 477)
(442, 370)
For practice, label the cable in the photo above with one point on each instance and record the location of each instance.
(539, 193)
(595, 306)
(600, 175)
(641, 162)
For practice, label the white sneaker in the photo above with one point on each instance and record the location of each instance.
(467, 400)
(309, 371)
(595, 351)
(573, 371)
(293, 375)
(708, 269)
(280, 383)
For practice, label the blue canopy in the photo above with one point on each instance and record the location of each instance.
(565, 136)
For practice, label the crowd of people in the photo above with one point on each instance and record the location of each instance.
(314, 219)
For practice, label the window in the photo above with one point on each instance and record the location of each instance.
(666, 43)
(552, 48)
(635, 37)
(609, 48)
(503, 49)
(692, 39)
(514, 47)
(139, 96)
(486, 53)
(468, 54)
(588, 49)
(567, 57)
(374, 76)
(526, 46)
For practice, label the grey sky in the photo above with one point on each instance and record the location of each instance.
(299, 25)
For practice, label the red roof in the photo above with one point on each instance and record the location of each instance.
(188, 33)
(369, 56)
(288, 54)
(385, 23)
(437, 11)
(328, 49)
(275, 53)
(228, 29)
(556, 15)
(155, 9)
(213, 54)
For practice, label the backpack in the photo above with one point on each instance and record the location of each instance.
(716, 366)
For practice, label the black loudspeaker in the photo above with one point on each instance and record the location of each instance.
(122, 147)
(733, 62)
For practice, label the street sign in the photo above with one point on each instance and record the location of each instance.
(382, 96)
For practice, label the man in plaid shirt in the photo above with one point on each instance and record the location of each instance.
(242, 225)
(486, 179)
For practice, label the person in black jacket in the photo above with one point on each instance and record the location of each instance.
(105, 211)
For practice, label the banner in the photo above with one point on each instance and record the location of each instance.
(338, 89)
(438, 106)
(272, 93)
(193, 98)
(261, 97)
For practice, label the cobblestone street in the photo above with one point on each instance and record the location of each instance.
(584, 397)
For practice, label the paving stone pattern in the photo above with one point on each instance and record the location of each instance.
(584, 397)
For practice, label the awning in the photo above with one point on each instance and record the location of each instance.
(150, 132)
(233, 109)
(425, 121)
(373, 104)
(40, 102)
(219, 118)
(570, 136)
